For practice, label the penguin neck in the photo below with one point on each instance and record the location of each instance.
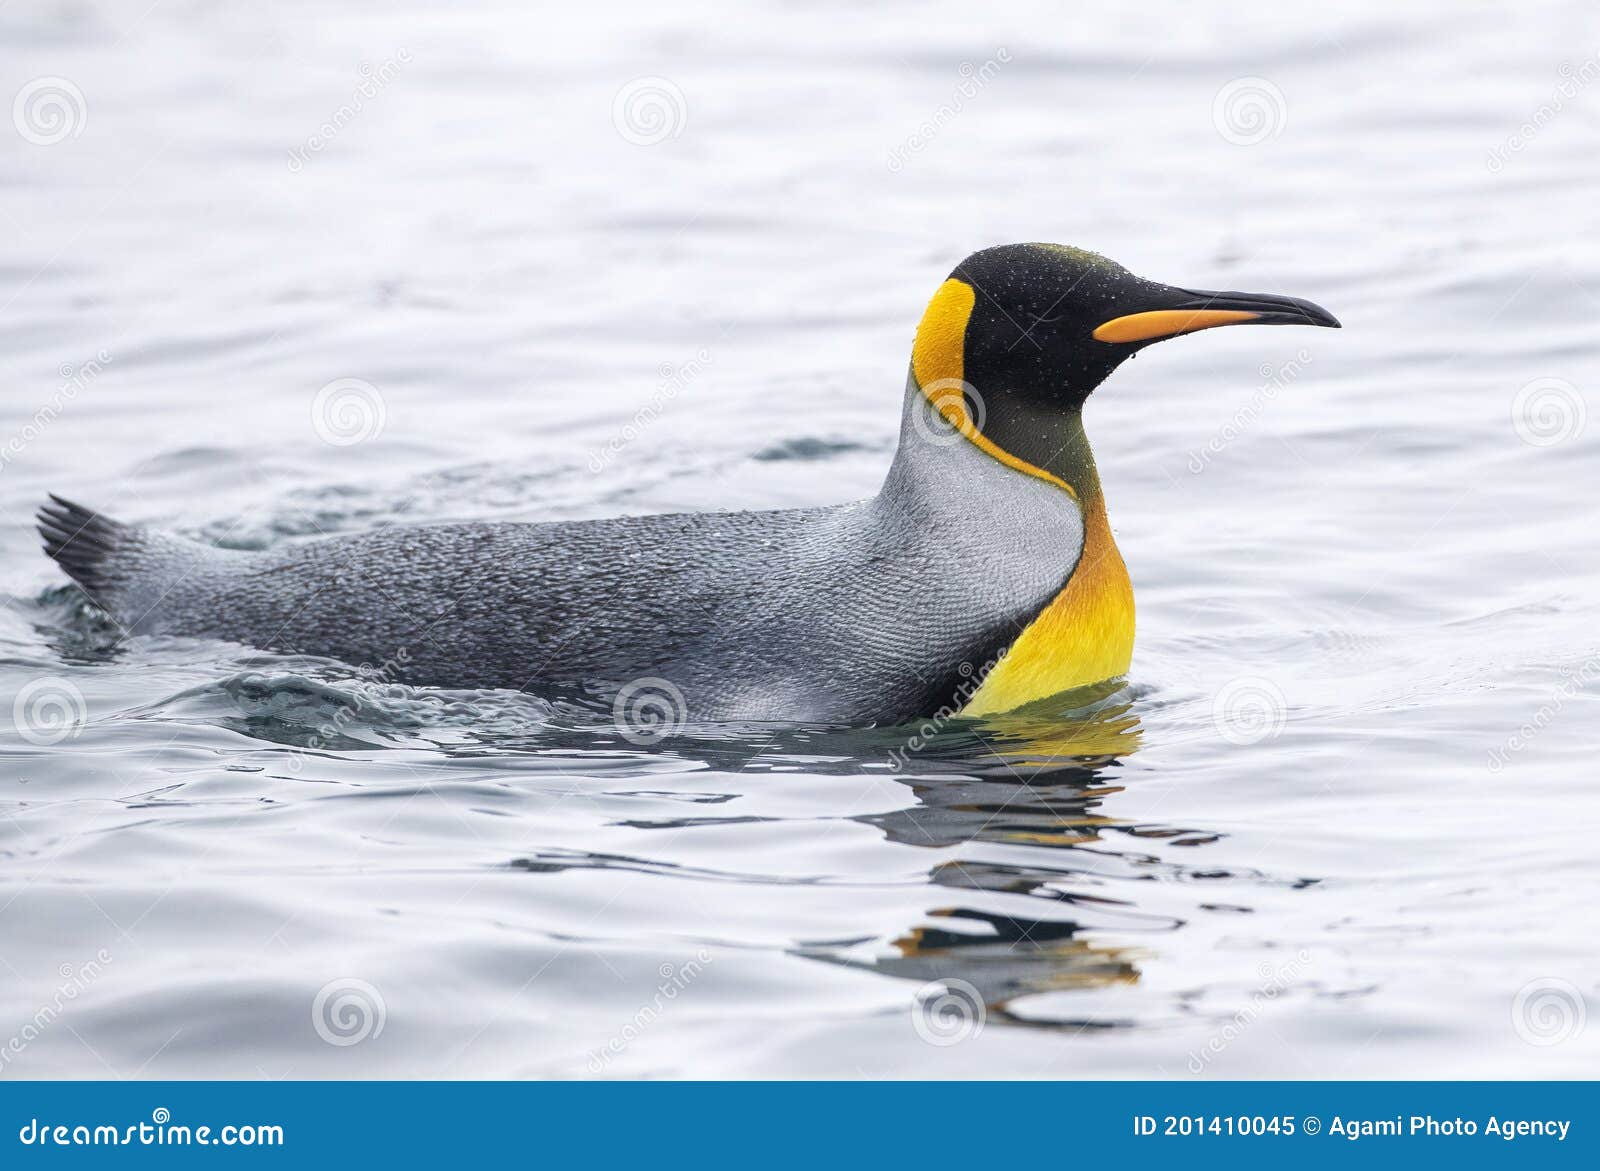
(1049, 445)
(1052, 440)
(1085, 634)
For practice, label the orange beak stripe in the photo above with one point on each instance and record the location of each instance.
(1158, 323)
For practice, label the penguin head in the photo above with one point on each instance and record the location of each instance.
(1039, 326)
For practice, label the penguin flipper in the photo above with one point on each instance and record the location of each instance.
(84, 544)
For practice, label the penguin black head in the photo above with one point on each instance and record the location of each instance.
(1036, 327)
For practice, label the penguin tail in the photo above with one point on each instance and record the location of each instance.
(85, 544)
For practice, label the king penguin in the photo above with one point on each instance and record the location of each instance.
(981, 578)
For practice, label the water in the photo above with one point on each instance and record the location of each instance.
(1337, 823)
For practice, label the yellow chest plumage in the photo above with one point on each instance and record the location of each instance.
(1085, 634)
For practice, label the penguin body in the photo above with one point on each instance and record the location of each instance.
(981, 577)
(871, 611)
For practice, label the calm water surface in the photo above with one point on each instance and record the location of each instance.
(1340, 820)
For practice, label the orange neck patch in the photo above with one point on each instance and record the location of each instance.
(1084, 636)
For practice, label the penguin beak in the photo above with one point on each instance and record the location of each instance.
(1192, 309)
